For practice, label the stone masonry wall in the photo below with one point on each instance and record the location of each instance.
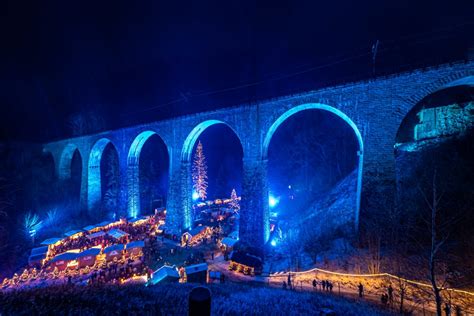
(376, 107)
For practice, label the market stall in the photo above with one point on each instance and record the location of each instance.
(140, 220)
(245, 263)
(51, 242)
(195, 235)
(165, 274)
(96, 235)
(196, 273)
(37, 256)
(135, 248)
(74, 233)
(65, 260)
(114, 252)
(118, 234)
(227, 244)
(88, 257)
(92, 228)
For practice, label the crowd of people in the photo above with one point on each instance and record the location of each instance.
(83, 240)
(102, 271)
(117, 271)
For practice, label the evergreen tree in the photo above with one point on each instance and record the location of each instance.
(199, 173)
(234, 204)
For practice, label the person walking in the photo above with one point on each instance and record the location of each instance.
(390, 294)
(447, 309)
(458, 310)
(314, 284)
(324, 285)
(361, 289)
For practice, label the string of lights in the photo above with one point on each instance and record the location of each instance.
(375, 275)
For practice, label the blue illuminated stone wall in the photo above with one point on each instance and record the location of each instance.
(375, 107)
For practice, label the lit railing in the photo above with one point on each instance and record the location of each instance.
(377, 275)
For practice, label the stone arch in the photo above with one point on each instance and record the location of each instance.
(435, 137)
(442, 85)
(318, 106)
(186, 156)
(133, 160)
(64, 171)
(456, 79)
(94, 193)
(193, 136)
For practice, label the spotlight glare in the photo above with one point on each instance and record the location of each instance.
(272, 201)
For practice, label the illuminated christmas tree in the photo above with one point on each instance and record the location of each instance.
(200, 172)
(234, 203)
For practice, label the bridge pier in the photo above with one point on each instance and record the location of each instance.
(178, 204)
(124, 192)
(84, 179)
(254, 217)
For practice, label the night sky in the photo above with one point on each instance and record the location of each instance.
(131, 62)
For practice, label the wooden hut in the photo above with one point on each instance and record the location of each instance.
(196, 273)
(65, 260)
(165, 274)
(227, 244)
(245, 263)
(96, 235)
(88, 257)
(114, 251)
(37, 256)
(195, 235)
(73, 233)
(118, 234)
(135, 248)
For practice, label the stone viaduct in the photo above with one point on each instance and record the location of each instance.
(374, 109)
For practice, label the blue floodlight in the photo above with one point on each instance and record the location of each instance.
(273, 243)
(272, 201)
(289, 186)
(195, 196)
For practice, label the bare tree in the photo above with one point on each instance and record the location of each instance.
(439, 225)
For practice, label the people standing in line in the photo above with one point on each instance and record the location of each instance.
(330, 286)
(361, 289)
